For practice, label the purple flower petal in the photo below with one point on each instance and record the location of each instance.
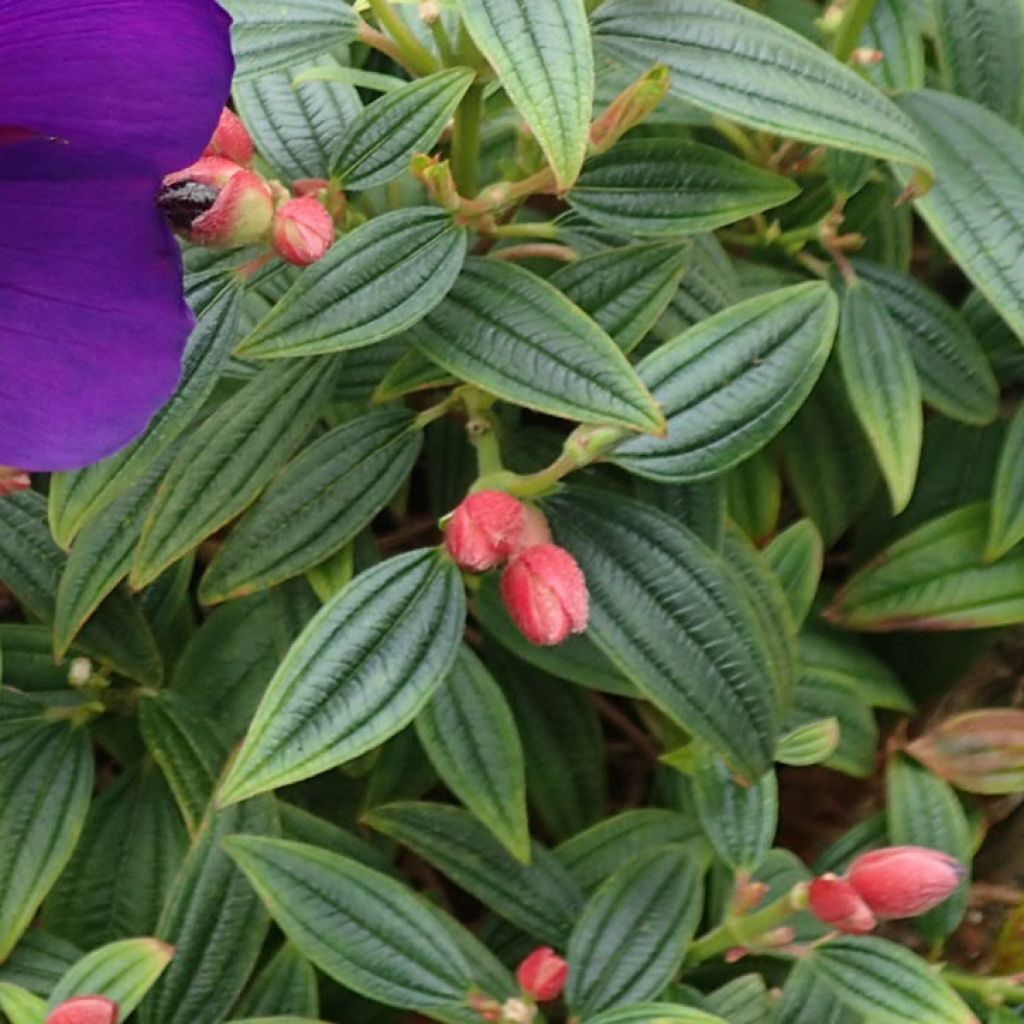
(147, 78)
(93, 320)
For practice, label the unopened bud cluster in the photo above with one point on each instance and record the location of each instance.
(541, 978)
(894, 882)
(221, 202)
(542, 586)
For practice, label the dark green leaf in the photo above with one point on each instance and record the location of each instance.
(122, 971)
(1006, 523)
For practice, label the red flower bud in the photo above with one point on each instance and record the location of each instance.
(12, 480)
(545, 592)
(904, 881)
(84, 1010)
(231, 139)
(835, 902)
(303, 231)
(485, 529)
(216, 202)
(542, 974)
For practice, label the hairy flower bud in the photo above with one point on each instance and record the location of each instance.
(835, 902)
(303, 231)
(542, 974)
(485, 529)
(84, 1010)
(232, 140)
(545, 592)
(904, 881)
(217, 203)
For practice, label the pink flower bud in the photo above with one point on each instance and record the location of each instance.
(12, 480)
(484, 530)
(535, 529)
(303, 231)
(84, 1010)
(836, 903)
(231, 139)
(542, 974)
(217, 203)
(545, 592)
(330, 195)
(904, 881)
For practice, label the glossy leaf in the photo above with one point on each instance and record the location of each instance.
(379, 143)
(808, 744)
(672, 614)
(286, 986)
(975, 207)
(262, 41)
(541, 51)
(796, 556)
(121, 971)
(20, 1006)
(630, 939)
(539, 897)
(625, 290)
(368, 662)
(365, 930)
(45, 788)
(513, 334)
(1006, 522)
(653, 187)
(883, 388)
(887, 982)
(654, 1013)
(470, 736)
(373, 283)
(895, 28)
(732, 382)
(317, 505)
(225, 464)
(936, 578)
(714, 50)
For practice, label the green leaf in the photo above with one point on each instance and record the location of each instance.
(38, 962)
(709, 285)
(936, 578)
(374, 282)
(470, 736)
(715, 51)
(304, 827)
(738, 818)
(121, 971)
(654, 1013)
(976, 209)
(596, 854)
(413, 371)
(886, 982)
(380, 142)
(806, 1000)
(979, 47)
(45, 788)
(882, 385)
(215, 922)
(515, 335)
(365, 930)
(1006, 522)
(286, 986)
(796, 556)
(20, 1006)
(324, 498)
(923, 810)
(188, 748)
(753, 496)
(894, 27)
(79, 496)
(674, 616)
(27, 660)
(629, 941)
(31, 565)
(360, 672)
(848, 660)
(731, 383)
(542, 53)
(118, 877)
(951, 365)
(625, 290)
(225, 464)
(297, 127)
(265, 39)
(811, 743)
(652, 187)
(540, 897)
(577, 658)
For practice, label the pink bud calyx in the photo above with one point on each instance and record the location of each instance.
(303, 231)
(545, 593)
(231, 139)
(836, 903)
(542, 974)
(485, 530)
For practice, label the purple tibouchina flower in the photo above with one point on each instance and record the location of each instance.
(99, 99)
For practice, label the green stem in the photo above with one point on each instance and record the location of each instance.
(482, 429)
(992, 991)
(542, 229)
(417, 56)
(444, 43)
(739, 138)
(851, 28)
(745, 931)
(466, 141)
